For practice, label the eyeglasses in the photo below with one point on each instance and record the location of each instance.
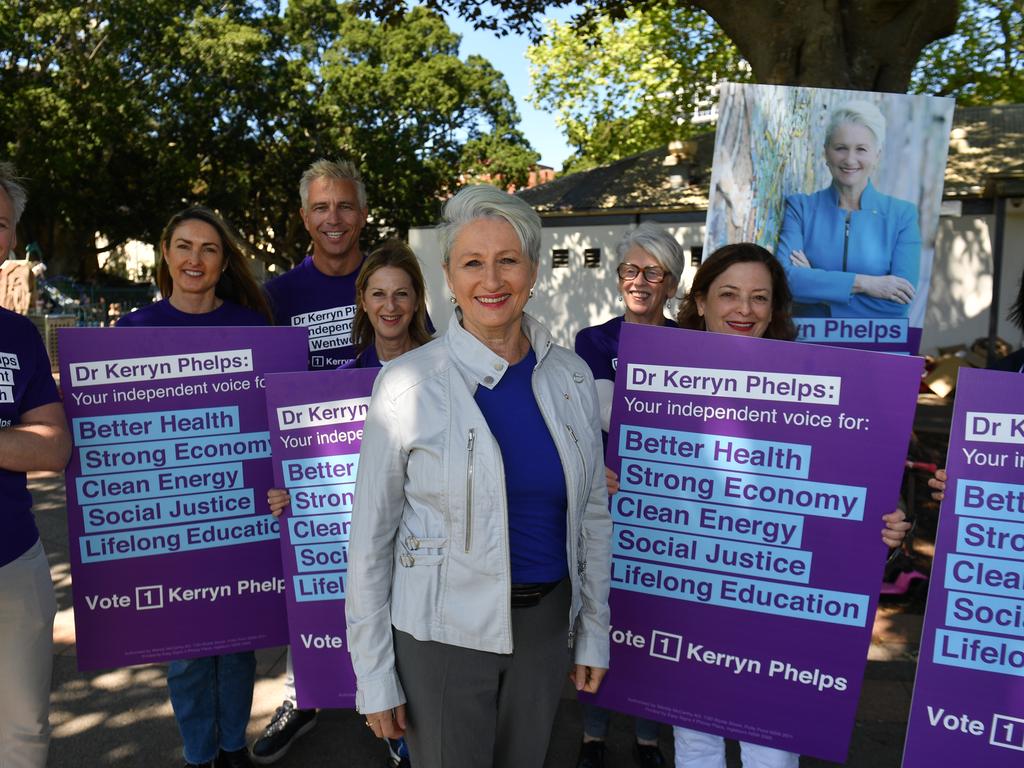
(627, 271)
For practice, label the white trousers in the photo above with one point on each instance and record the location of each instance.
(27, 608)
(289, 678)
(695, 749)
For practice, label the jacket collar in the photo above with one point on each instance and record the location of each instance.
(477, 363)
(869, 198)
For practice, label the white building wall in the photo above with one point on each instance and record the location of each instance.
(566, 299)
(576, 297)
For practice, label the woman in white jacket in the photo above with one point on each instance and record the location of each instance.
(480, 541)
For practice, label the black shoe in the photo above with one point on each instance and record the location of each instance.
(287, 724)
(591, 755)
(236, 759)
(200, 765)
(648, 755)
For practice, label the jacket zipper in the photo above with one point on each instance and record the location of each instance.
(581, 565)
(846, 239)
(469, 488)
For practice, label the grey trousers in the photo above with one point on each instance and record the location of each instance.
(472, 709)
(27, 608)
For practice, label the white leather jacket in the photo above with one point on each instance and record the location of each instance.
(429, 545)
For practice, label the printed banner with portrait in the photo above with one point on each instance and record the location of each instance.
(844, 187)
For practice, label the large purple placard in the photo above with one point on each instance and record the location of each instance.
(746, 551)
(173, 552)
(316, 427)
(968, 706)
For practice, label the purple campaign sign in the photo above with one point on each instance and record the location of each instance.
(968, 706)
(316, 428)
(173, 552)
(746, 552)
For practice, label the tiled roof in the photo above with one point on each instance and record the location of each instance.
(984, 140)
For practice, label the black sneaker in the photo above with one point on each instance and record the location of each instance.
(591, 755)
(648, 755)
(239, 758)
(287, 724)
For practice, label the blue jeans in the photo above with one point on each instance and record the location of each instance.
(212, 699)
(595, 724)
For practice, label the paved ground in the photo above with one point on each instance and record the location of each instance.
(122, 717)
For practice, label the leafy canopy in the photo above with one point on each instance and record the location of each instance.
(630, 84)
(982, 63)
(121, 111)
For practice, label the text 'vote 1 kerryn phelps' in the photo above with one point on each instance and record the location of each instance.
(174, 553)
(316, 427)
(747, 556)
(968, 706)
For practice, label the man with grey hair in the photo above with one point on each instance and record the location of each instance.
(320, 293)
(33, 436)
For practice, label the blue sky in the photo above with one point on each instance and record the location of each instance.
(508, 55)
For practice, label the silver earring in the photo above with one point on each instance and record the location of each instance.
(531, 293)
(451, 299)
(620, 298)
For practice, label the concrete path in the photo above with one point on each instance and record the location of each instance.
(122, 717)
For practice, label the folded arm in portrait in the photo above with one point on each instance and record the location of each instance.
(862, 263)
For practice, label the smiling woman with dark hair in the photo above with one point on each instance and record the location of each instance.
(741, 290)
(205, 279)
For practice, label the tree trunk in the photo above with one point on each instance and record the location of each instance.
(72, 253)
(868, 45)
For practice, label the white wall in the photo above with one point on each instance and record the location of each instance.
(565, 299)
(570, 299)
(960, 295)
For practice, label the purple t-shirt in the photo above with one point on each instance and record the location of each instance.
(366, 359)
(25, 383)
(161, 314)
(325, 304)
(598, 345)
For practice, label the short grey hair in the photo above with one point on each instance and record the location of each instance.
(483, 201)
(339, 170)
(10, 183)
(860, 113)
(657, 242)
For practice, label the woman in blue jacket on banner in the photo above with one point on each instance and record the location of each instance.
(848, 250)
(650, 266)
(741, 290)
(205, 280)
(391, 319)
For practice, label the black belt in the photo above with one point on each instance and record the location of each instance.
(529, 595)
